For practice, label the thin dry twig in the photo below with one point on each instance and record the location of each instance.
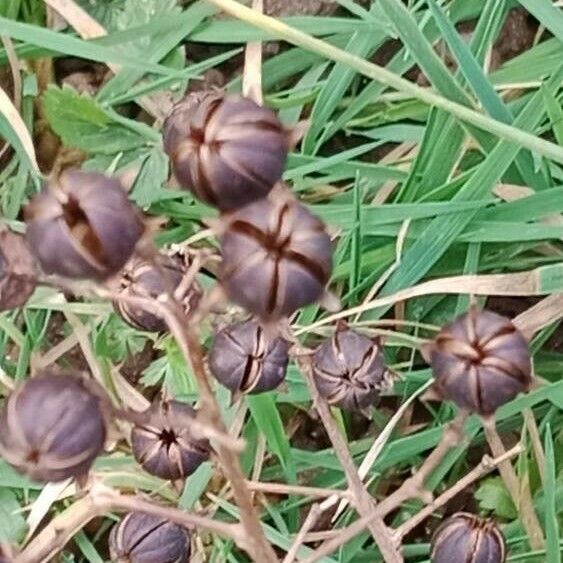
(312, 517)
(363, 502)
(486, 466)
(284, 489)
(411, 488)
(520, 495)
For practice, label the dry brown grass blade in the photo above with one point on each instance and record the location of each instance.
(252, 76)
(547, 311)
(9, 111)
(520, 284)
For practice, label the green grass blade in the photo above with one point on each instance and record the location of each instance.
(553, 552)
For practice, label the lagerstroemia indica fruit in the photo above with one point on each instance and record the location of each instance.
(226, 149)
(466, 538)
(83, 226)
(53, 427)
(481, 361)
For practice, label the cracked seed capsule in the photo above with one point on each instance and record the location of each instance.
(83, 226)
(53, 427)
(349, 370)
(465, 537)
(145, 279)
(18, 271)
(226, 149)
(143, 538)
(165, 444)
(481, 361)
(242, 360)
(277, 258)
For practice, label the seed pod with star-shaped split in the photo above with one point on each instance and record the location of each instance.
(164, 443)
(83, 226)
(277, 257)
(349, 370)
(480, 361)
(242, 359)
(226, 149)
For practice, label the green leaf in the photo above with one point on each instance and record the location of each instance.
(12, 523)
(82, 123)
(148, 187)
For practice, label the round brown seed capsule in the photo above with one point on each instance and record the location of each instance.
(277, 257)
(481, 361)
(242, 360)
(465, 537)
(83, 226)
(349, 370)
(18, 271)
(53, 428)
(143, 538)
(143, 279)
(226, 149)
(165, 445)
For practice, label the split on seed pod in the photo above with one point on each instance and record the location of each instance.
(277, 257)
(18, 270)
(226, 149)
(53, 427)
(465, 537)
(149, 280)
(144, 538)
(244, 360)
(83, 226)
(165, 444)
(480, 361)
(349, 370)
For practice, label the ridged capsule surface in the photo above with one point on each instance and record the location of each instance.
(144, 538)
(226, 149)
(242, 359)
(53, 428)
(349, 369)
(481, 361)
(164, 444)
(277, 257)
(149, 280)
(83, 226)
(468, 539)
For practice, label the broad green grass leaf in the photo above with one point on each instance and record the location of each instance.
(68, 45)
(427, 250)
(547, 13)
(267, 419)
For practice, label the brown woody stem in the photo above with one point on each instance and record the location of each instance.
(411, 488)
(361, 499)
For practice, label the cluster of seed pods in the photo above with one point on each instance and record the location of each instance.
(276, 258)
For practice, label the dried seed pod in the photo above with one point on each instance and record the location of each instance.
(227, 150)
(349, 370)
(481, 361)
(465, 537)
(143, 538)
(277, 257)
(145, 279)
(53, 427)
(18, 271)
(243, 361)
(164, 444)
(83, 226)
